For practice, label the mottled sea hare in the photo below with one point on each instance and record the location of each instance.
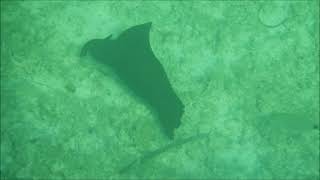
(131, 57)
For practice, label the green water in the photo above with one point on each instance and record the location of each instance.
(247, 73)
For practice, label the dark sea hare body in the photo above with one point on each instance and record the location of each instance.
(132, 59)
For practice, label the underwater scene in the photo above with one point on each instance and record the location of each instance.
(157, 90)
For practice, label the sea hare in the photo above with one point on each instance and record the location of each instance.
(132, 59)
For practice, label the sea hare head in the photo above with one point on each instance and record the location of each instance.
(99, 49)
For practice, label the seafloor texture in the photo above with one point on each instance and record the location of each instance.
(247, 72)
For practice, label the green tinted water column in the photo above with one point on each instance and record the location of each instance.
(247, 73)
